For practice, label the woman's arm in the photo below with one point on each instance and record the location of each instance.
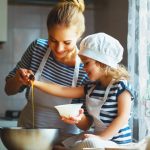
(18, 77)
(21, 78)
(59, 90)
(12, 86)
(124, 108)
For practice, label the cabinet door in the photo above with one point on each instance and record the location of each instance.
(3, 20)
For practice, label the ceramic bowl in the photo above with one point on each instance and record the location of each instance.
(68, 110)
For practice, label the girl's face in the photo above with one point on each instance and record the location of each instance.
(93, 69)
(62, 40)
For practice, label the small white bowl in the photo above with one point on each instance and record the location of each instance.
(68, 110)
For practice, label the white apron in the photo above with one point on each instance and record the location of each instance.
(93, 107)
(45, 115)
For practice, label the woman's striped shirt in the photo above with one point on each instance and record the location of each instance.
(53, 70)
(109, 110)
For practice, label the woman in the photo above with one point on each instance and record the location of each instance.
(53, 60)
(108, 96)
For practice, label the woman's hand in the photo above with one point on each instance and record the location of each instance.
(21, 78)
(74, 119)
(22, 75)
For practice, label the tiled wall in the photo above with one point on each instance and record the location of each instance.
(25, 24)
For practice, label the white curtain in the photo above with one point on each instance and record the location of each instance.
(139, 62)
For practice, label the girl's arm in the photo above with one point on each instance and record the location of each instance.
(85, 123)
(59, 90)
(124, 107)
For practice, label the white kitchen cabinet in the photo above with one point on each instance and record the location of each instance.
(3, 20)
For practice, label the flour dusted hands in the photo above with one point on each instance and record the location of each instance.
(74, 119)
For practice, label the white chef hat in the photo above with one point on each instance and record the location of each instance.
(103, 48)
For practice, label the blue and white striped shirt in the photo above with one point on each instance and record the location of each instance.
(53, 70)
(108, 111)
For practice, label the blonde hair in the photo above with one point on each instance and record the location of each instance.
(119, 73)
(68, 13)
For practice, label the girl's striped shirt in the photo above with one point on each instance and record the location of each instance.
(108, 111)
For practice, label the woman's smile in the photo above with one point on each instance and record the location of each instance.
(60, 54)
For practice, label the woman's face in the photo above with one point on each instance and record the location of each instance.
(62, 40)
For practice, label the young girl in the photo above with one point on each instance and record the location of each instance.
(108, 95)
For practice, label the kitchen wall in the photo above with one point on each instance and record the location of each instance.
(27, 22)
(112, 17)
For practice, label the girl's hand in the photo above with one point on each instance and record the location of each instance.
(74, 119)
(90, 136)
(22, 75)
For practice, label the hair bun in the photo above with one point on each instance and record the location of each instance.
(79, 3)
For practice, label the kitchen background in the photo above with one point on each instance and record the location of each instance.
(22, 21)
